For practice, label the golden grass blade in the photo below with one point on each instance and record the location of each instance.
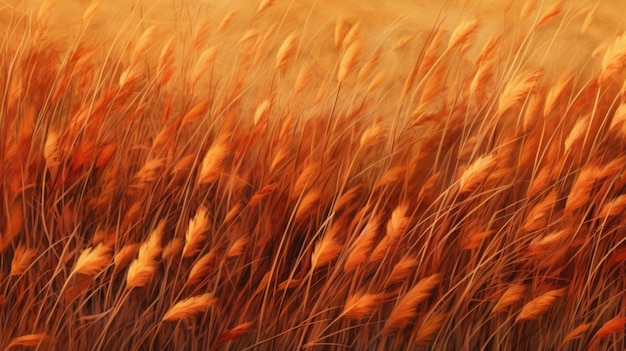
(576, 333)
(352, 35)
(303, 78)
(480, 80)
(226, 20)
(361, 305)
(589, 18)
(429, 329)
(550, 14)
(305, 179)
(614, 59)
(125, 255)
(30, 340)
(194, 236)
(476, 173)
(396, 226)
(528, 8)
(614, 207)
(539, 214)
(489, 50)
(212, 163)
(538, 306)
(237, 248)
(285, 51)
(514, 293)
(543, 245)
(51, 150)
(402, 270)
(474, 240)
(308, 203)
(518, 88)
(173, 248)
(611, 327)
(581, 189)
(326, 250)
(92, 260)
(377, 81)
(577, 133)
(369, 67)
(142, 269)
(204, 63)
(13, 226)
(362, 245)
(393, 175)
(556, 93)
(236, 332)
(201, 34)
(618, 122)
(346, 66)
(264, 5)
(144, 41)
(189, 308)
(463, 33)
(371, 135)
(261, 111)
(200, 268)
(340, 31)
(405, 309)
(346, 198)
(44, 11)
(22, 258)
(402, 42)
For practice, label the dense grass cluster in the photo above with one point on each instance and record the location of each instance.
(265, 188)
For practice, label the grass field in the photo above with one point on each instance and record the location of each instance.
(312, 175)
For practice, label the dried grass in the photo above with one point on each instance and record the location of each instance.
(349, 60)
(511, 295)
(142, 269)
(536, 307)
(356, 178)
(612, 326)
(361, 305)
(406, 308)
(189, 308)
(92, 260)
(22, 258)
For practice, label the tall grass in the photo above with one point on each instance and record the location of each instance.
(253, 181)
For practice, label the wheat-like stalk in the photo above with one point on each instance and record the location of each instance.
(539, 305)
(142, 268)
(361, 305)
(194, 235)
(92, 260)
(511, 295)
(236, 332)
(429, 329)
(30, 340)
(406, 308)
(349, 60)
(611, 327)
(22, 258)
(285, 51)
(189, 307)
(576, 333)
(463, 33)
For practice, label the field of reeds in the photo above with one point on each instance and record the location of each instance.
(282, 175)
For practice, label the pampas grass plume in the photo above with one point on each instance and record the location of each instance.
(189, 308)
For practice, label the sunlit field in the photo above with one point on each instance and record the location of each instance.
(312, 175)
